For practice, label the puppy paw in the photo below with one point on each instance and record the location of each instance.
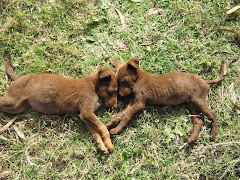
(109, 124)
(110, 148)
(109, 145)
(212, 138)
(104, 150)
(112, 123)
(115, 131)
(115, 120)
(191, 140)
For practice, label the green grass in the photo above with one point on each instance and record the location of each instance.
(73, 38)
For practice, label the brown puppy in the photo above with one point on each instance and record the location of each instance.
(165, 89)
(52, 94)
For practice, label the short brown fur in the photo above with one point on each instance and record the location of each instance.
(165, 89)
(52, 94)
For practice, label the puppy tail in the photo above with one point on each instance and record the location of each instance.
(8, 62)
(223, 69)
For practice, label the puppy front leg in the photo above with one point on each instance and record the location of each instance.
(90, 119)
(97, 137)
(115, 120)
(127, 115)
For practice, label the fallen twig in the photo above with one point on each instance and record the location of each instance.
(3, 138)
(4, 174)
(97, 39)
(219, 144)
(233, 9)
(229, 30)
(121, 18)
(204, 22)
(207, 29)
(185, 144)
(136, 168)
(230, 167)
(204, 148)
(29, 160)
(19, 133)
(152, 11)
(8, 124)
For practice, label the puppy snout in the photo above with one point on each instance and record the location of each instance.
(123, 94)
(115, 105)
(112, 103)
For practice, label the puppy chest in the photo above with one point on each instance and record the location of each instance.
(97, 104)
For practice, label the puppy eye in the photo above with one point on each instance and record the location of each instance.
(125, 83)
(110, 93)
(112, 90)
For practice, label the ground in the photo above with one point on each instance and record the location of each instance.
(73, 38)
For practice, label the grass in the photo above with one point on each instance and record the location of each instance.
(73, 38)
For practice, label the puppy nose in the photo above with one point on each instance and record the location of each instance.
(115, 106)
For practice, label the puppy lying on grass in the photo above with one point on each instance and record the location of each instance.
(52, 94)
(165, 89)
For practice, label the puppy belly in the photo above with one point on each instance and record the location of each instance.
(169, 100)
(51, 108)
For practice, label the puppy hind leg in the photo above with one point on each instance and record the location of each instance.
(203, 107)
(213, 116)
(197, 124)
(10, 105)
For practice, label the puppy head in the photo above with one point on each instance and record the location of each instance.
(126, 75)
(107, 86)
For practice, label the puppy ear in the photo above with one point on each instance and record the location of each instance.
(104, 72)
(116, 63)
(134, 62)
